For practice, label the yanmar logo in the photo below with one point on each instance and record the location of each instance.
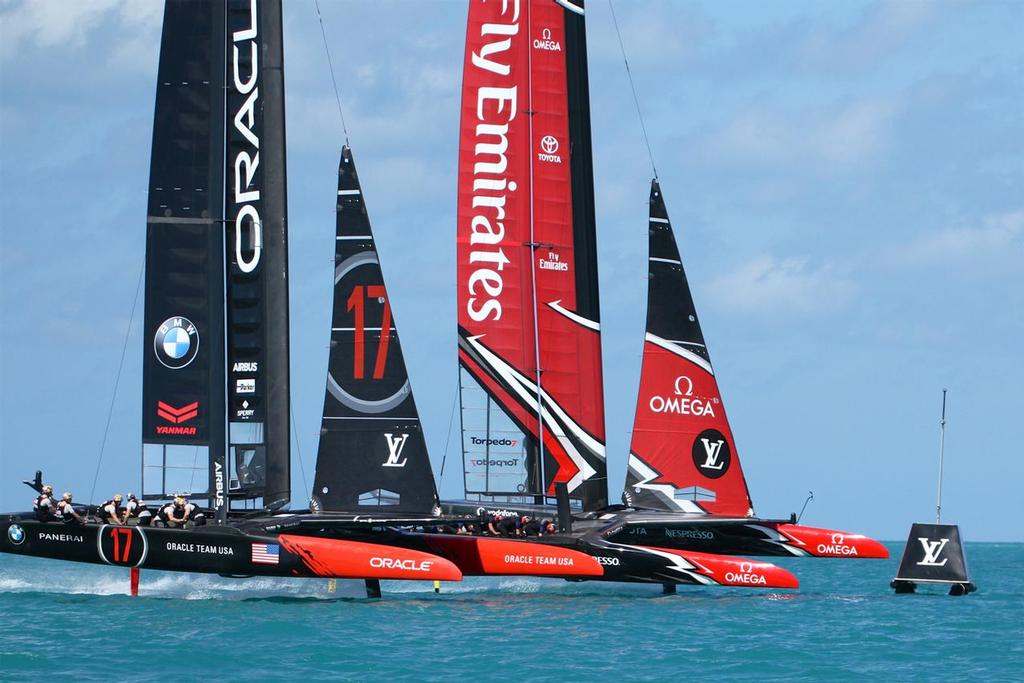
(176, 416)
(409, 565)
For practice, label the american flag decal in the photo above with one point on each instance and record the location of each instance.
(265, 553)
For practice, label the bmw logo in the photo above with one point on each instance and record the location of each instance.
(176, 342)
(16, 534)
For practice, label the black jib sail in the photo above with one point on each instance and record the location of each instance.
(217, 180)
(372, 452)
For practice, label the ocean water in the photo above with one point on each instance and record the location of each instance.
(845, 623)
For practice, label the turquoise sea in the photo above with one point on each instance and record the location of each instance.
(845, 623)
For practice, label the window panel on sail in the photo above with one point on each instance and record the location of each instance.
(493, 446)
(186, 469)
(171, 469)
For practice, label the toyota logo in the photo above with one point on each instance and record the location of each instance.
(549, 144)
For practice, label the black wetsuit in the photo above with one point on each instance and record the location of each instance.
(507, 526)
(532, 528)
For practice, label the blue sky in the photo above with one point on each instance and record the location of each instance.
(846, 181)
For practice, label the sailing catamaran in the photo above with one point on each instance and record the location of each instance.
(529, 328)
(216, 368)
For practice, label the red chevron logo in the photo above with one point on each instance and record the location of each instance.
(177, 415)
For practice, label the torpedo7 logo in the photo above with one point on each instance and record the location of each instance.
(932, 550)
(176, 416)
(396, 444)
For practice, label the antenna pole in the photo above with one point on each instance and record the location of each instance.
(942, 448)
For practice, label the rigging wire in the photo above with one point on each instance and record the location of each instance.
(298, 450)
(330, 63)
(117, 381)
(451, 421)
(632, 85)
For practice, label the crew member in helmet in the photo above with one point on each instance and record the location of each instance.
(136, 512)
(112, 512)
(173, 514)
(66, 511)
(44, 504)
(549, 527)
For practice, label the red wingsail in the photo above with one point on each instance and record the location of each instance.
(529, 332)
(682, 456)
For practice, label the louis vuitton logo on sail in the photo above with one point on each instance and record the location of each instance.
(396, 444)
(496, 108)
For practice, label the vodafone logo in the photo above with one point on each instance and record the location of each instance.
(394, 563)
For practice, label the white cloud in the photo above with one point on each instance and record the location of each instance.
(996, 239)
(57, 24)
(768, 286)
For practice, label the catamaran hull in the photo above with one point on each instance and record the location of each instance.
(221, 550)
(746, 537)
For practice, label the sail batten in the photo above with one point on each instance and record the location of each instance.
(372, 453)
(529, 322)
(682, 454)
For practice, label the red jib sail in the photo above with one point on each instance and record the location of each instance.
(682, 455)
(529, 332)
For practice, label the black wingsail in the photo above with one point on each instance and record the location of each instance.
(372, 452)
(217, 260)
(183, 411)
(257, 254)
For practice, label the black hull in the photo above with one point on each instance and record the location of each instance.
(209, 550)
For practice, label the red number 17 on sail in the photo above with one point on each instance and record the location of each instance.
(357, 304)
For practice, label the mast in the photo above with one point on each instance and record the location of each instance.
(942, 449)
(372, 453)
(529, 331)
(682, 454)
(257, 255)
(183, 402)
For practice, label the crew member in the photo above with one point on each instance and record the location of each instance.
(549, 527)
(136, 512)
(112, 512)
(66, 511)
(43, 504)
(530, 526)
(173, 514)
(509, 526)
